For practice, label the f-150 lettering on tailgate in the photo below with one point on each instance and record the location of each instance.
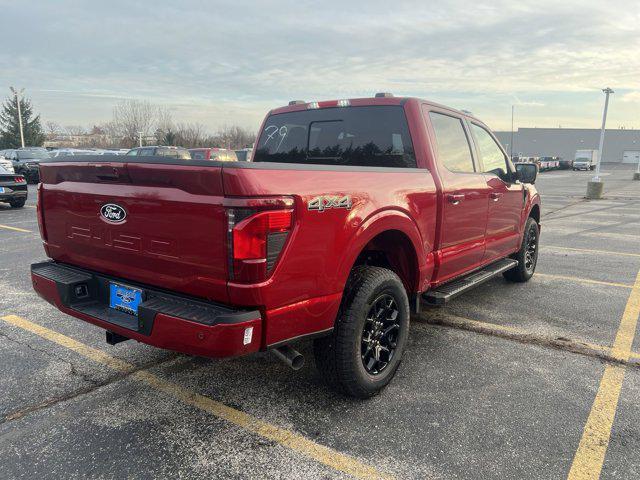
(145, 245)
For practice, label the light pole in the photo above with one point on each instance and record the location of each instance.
(511, 146)
(140, 137)
(17, 95)
(595, 187)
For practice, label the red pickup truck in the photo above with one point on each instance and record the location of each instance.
(351, 214)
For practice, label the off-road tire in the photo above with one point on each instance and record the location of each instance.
(526, 265)
(338, 356)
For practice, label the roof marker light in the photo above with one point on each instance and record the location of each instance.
(344, 103)
(313, 105)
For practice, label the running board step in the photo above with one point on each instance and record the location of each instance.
(442, 294)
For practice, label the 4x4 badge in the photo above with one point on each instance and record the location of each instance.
(325, 202)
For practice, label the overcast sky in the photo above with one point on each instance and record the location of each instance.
(229, 62)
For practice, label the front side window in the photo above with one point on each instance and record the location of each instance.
(145, 152)
(132, 153)
(454, 150)
(493, 160)
(371, 136)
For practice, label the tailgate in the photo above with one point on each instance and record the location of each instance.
(156, 223)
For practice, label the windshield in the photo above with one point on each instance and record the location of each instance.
(374, 136)
(32, 154)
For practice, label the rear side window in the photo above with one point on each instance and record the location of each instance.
(374, 136)
(493, 160)
(198, 154)
(224, 156)
(454, 150)
(167, 152)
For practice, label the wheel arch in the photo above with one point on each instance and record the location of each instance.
(534, 212)
(388, 239)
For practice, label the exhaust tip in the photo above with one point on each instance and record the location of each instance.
(289, 356)
(297, 362)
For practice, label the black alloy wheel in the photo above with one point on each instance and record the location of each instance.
(380, 334)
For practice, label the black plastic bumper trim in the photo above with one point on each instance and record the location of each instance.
(94, 300)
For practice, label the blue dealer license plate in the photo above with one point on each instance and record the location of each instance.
(125, 299)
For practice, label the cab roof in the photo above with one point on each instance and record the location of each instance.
(379, 99)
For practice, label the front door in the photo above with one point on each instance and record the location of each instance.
(465, 199)
(506, 196)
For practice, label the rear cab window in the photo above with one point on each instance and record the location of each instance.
(367, 136)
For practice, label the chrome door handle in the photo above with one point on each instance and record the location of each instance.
(455, 198)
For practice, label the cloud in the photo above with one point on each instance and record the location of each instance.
(230, 61)
(631, 97)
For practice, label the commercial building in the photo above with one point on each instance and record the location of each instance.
(620, 146)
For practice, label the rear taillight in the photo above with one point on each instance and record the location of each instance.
(20, 179)
(40, 212)
(258, 231)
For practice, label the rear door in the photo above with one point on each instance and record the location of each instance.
(506, 195)
(465, 194)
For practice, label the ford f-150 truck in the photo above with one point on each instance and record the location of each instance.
(351, 215)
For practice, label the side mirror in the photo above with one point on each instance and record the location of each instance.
(526, 172)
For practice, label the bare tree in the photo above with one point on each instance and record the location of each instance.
(191, 135)
(234, 137)
(52, 129)
(133, 116)
(165, 129)
(75, 130)
(113, 134)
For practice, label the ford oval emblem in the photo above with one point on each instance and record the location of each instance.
(113, 213)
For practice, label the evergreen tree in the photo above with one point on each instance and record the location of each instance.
(10, 126)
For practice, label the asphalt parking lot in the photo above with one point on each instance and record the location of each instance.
(535, 380)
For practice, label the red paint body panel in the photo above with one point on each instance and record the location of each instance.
(175, 234)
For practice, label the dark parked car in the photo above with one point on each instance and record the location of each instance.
(13, 188)
(26, 162)
(160, 151)
(215, 154)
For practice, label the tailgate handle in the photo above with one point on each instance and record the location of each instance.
(114, 175)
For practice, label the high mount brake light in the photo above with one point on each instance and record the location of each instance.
(328, 103)
(256, 238)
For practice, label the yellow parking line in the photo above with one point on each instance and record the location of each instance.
(287, 438)
(589, 458)
(586, 250)
(582, 280)
(15, 228)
